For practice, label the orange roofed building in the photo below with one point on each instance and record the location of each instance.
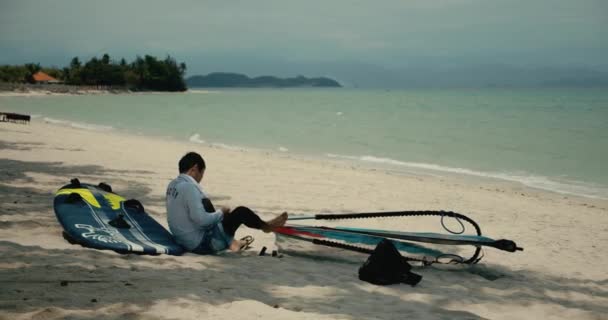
(41, 77)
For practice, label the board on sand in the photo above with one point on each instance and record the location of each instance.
(95, 217)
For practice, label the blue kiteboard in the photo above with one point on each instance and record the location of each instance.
(95, 217)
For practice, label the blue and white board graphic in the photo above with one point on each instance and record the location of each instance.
(99, 219)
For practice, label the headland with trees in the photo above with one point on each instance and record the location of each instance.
(146, 73)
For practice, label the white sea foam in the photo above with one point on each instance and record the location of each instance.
(55, 121)
(283, 149)
(87, 126)
(78, 125)
(200, 91)
(226, 146)
(196, 138)
(565, 187)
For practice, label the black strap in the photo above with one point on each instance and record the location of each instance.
(75, 183)
(73, 197)
(134, 204)
(105, 187)
(119, 222)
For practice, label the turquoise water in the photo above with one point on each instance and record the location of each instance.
(555, 139)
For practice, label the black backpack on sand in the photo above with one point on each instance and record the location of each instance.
(386, 266)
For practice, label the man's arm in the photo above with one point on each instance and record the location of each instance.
(196, 211)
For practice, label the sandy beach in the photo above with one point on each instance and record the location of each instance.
(39, 90)
(560, 275)
(35, 92)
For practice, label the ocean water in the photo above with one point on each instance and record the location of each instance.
(554, 139)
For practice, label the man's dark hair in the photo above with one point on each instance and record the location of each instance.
(189, 160)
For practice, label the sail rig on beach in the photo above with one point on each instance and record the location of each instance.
(424, 247)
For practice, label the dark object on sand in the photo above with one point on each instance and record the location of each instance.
(94, 217)
(263, 251)
(386, 266)
(14, 117)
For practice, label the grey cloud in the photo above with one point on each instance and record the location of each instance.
(389, 34)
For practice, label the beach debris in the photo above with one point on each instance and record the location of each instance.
(262, 252)
(14, 117)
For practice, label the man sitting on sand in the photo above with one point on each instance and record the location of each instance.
(193, 220)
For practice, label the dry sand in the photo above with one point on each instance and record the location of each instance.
(560, 275)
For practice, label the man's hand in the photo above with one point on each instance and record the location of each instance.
(225, 210)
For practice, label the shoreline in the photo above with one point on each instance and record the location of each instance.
(439, 177)
(486, 182)
(544, 281)
(41, 90)
(35, 90)
(372, 163)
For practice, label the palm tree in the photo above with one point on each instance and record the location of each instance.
(31, 68)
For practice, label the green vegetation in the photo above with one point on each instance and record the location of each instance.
(147, 73)
(236, 80)
(22, 73)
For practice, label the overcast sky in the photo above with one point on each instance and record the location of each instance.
(284, 37)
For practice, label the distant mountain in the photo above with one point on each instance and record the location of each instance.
(236, 80)
(464, 76)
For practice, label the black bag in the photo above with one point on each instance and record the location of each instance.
(386, 266)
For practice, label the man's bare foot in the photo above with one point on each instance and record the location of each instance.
(235, 246)
(242, 244)
(278, 221)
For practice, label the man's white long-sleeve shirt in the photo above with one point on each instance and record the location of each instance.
(188, 220)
